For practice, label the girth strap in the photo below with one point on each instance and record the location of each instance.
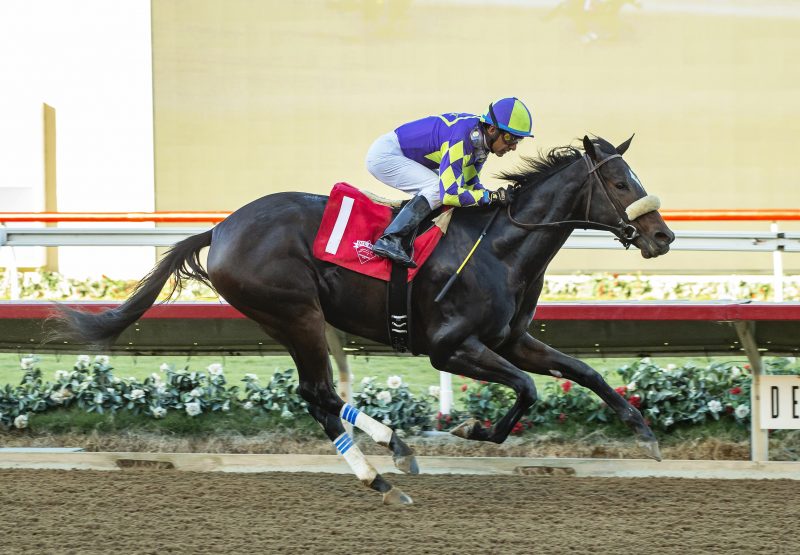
(397, 291)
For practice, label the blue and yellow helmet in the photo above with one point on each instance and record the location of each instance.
(510, 114)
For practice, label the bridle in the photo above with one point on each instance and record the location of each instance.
(624, 230)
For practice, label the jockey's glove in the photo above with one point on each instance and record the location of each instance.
(502, 196)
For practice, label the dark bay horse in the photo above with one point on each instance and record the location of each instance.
(260, 261)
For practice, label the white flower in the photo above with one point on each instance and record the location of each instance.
(366, 380)
(384, 397)
(251, 377)
(98, 399)
(155, 377)
(196, 392)
(102, 359)
(215, 369)
(248, 405)
(631, 386)
(28, 362)
(159, 412)
(193, 408)
(387, 421)
(83, 360)
(645, 360)
(736, 372)
(62, 375)
(394, 382)
(137, 394)
(255, 397)
(164, 367)
(434, 391)
(116, 379)
(21, 421)
(110, 390)
(57, 397)
(226, 406)
(742, 411)
(714, 406)
(669, 421)
(671, 366)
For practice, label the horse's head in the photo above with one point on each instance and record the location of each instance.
(619, 200)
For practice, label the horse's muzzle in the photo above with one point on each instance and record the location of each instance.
(655, 245)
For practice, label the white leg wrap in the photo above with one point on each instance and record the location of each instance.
(355, 459)
(380, 433)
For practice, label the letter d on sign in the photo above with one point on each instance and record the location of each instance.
(774, 401)
(779, 403)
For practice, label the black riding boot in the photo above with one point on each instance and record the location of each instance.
(390, 244)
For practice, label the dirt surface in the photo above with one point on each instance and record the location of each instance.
(167, 511)
(592, 445)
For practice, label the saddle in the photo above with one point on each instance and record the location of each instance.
(353, 220)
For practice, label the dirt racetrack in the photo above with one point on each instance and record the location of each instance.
(167, 511)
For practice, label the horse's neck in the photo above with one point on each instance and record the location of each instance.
(559, 198)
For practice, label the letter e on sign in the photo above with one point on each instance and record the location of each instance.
(780, 402)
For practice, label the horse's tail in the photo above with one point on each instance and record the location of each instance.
(182, 261)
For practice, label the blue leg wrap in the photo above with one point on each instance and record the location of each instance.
(343, 443)
(349, 413)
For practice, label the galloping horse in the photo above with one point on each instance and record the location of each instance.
(260, 261)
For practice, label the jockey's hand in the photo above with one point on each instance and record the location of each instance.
(502, 196)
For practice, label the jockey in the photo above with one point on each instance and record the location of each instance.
(437, 159)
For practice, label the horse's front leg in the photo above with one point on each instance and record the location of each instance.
(532, 355)
(475, 360)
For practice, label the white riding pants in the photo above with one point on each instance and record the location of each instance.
(385, 160)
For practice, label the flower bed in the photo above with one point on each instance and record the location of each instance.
(598, 286)
(667, 397)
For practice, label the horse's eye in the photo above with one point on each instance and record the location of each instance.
(621, 185)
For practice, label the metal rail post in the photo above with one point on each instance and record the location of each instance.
(759, 439)
(777, 267)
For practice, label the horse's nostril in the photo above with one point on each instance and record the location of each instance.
(665, 237)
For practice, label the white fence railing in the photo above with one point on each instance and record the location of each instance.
(741, 241)
(773, 241)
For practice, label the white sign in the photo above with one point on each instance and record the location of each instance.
(780, 402)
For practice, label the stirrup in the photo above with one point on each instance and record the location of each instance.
(388, 249)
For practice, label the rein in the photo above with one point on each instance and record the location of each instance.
(624, 230)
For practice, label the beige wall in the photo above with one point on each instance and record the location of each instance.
(252, 97)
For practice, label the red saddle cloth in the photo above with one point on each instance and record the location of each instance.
(352, 222)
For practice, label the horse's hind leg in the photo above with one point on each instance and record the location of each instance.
(358, 463)
(304, 337)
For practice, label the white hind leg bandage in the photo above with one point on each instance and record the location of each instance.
(380, 433)
(355, 459)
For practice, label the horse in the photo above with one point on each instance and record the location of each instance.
(260, 261)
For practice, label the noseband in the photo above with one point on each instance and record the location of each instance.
(624, 230)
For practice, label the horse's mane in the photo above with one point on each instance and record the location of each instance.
(536, 169)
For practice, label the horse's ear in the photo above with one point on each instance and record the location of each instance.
(588, 146)
(624, 146)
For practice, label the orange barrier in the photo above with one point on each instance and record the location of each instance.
(158, 217)
(768, 215)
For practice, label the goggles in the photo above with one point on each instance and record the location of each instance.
(510, 139)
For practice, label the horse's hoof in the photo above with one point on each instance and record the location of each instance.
(650, 449)
(396, 497)
(466, 428)
(407, 464)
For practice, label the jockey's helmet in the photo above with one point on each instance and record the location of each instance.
(510, 114)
